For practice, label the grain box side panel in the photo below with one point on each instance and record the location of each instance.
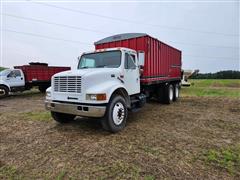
(159, 57)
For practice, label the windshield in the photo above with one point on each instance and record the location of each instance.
(5, 72)
(110, 59)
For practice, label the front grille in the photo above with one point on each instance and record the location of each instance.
(67, 84)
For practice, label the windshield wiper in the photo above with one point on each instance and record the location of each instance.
(84, 67)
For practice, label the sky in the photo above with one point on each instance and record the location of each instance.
(207, 32)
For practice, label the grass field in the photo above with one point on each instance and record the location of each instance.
(213, 87)
(196, 137)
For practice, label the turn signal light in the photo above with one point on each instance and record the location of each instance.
(101, 97)
(96, 97)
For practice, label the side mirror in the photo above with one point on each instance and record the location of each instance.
(141, 58)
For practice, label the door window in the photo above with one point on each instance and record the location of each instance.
(129, 61)
(17, 73)
(14, 73)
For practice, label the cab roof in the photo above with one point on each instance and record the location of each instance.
(111, 49)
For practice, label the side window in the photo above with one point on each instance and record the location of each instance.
(17, 73)
(133, 58)
(129, 61)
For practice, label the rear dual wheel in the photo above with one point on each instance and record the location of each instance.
(176, 92)
(168, 93)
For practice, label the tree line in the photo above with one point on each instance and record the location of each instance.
(229, 74)
(2, 68)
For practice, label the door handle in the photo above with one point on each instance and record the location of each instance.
(21, 78)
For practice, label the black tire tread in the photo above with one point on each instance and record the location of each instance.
(6, 91)
(163, 94)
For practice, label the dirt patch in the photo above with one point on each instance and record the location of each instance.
(229, 85)
(234, 85)
(159, 141)
(217, 84)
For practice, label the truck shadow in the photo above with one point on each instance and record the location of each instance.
(93, 125)
(86, 125)
(82, 125)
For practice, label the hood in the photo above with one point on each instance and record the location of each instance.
(88, 71)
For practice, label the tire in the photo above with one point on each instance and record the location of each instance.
(42, 89)
(176, 92)
(160, 94)
(165, 94)
(168, 94)
(104, 123)
(116, 115)
(62, 117)
(4, 91)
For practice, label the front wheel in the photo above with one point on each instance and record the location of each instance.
(4, 91)
(116, 115)
(62, 117)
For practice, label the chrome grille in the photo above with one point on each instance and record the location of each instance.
(67, 84)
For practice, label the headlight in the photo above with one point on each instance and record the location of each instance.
(96, 97)
(48, 94)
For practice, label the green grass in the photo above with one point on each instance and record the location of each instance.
(213, 87)
(9, 172)
(61, 175)
(150, 150)
(149, 177)
(119, 168)
(226, 158)
(37, 116)
(215, 82)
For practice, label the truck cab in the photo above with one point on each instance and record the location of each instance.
(11, 79)
(105, 85)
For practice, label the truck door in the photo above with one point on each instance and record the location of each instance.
(131, 74)
(15, 78)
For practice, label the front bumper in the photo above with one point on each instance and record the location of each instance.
(76, 109)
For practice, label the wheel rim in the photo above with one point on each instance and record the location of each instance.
(2, 92)
(171, 93)
(176, 92)
(118, 113)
